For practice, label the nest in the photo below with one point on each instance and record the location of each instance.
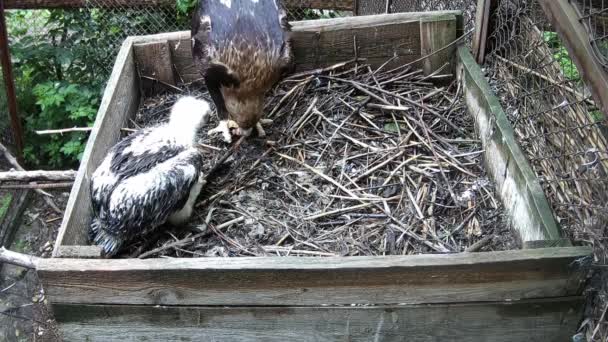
(356, 161)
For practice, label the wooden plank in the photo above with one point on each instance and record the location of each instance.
(10, 222)
(119, 102)
(324, 42)
(482, 18)
(318, 48)
(516, 182)
(154, 62)
(449, 278)
(435, 35)
(565, 19)
(78, 252)
(346, 5)
(538, 320)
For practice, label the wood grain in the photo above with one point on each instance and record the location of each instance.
(492, 276)
(154, 62)
(538, 320)
(324, 42)
(482, 19)
(434, 35)
(9, 223)
(78, 252)
(119, 102)
(516, 183)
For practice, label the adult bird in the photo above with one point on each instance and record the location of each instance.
(242, 48)
(151, 177)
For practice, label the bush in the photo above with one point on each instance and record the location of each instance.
(62, 59)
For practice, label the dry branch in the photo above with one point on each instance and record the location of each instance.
(343, 176)
(16, 165)
(18, 259)
(28, 176)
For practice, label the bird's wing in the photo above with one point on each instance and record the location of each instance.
(136, 154)
(287, 56)
(200, 30)
(146, 200)
(139, 153)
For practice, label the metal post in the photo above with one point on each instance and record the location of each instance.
(9, 83)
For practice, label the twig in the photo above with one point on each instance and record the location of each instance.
(15, 164)
(26, 176)
(188, 240)
(38, 186)
(225, 157)
(480, 244)
(18, 259)
(163, 83)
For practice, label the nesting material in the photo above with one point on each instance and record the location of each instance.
(357, 161)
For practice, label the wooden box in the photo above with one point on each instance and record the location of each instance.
(531, 294)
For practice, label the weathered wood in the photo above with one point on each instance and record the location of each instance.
(26, 176)
(10, 222)
(120, 101)
(18, 259)
(565, 19)
(153, 60)
(346, 5)
(78, 252)
(482, 18)
(547, 243)
(434, 35)
(464, 277)
(552, 320)
(324, 42)
(516, 183)
(13, 161)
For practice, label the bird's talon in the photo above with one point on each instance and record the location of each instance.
(260, 130)
(223, 129)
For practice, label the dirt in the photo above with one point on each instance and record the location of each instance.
(24, 313)
(276, 197)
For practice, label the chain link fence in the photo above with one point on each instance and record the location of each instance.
(96, 32)
(557, 124)
(126, 21)
(468, 8)
(594, 15)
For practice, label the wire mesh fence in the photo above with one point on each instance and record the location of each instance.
(85, 41)
(594, 15)
(468, 8)
(552, 112)
(556, 122)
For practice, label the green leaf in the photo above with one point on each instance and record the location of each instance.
(391, 127)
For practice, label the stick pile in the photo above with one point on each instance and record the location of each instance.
(357, 161)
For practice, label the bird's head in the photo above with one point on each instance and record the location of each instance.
(188, 115)
(245, 109)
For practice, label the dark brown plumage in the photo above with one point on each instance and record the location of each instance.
(242, 48)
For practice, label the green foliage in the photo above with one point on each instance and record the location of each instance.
(309, 14)
(560, 54)
(5, 202)
(59, 76)
(184, 7)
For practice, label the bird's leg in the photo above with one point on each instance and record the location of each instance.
(260, 129)
(244, 132)
(260, 126)
(222, 128)
(213, 85)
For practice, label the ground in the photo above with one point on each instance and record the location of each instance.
(24, 315)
